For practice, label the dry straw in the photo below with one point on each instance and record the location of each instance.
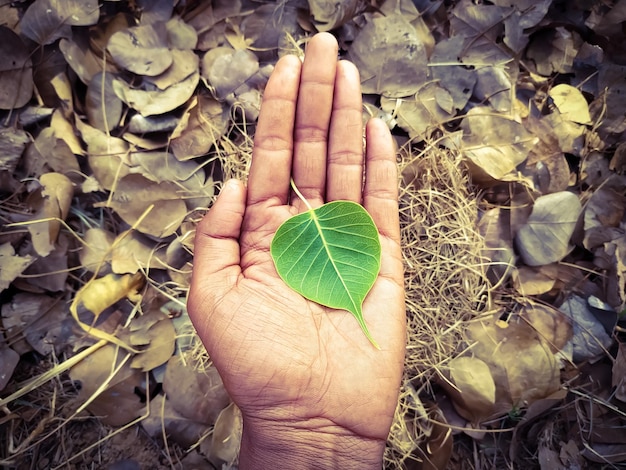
(445, 285)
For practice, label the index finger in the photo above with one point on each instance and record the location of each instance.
(270, 170)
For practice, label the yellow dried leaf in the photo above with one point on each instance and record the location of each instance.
(12, 265)
(64, 130)
(99, 294)
(571, 103)
(53, 202)
(95, 254)
(474, 392)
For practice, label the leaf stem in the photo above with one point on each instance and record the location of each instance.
(297, 191)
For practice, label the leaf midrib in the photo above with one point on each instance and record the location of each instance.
(320, 230)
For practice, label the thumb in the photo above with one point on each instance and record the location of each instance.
(216, 245)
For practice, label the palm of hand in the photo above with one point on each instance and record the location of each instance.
(292, 358)
(282, 357)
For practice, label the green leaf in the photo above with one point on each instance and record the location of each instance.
(330, 255)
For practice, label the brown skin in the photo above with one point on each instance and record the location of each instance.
(313, 391)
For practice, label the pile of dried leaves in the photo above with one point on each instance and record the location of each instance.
(120, 119)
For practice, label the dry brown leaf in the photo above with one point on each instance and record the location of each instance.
(603, 211)
(64, 130)
(197, 395)
(180, 35)
(50, 272)
(390, 56)
(545, 238)
(472, 388)
(107, 156)
(553, 327)
(546, 163)
(184, 64)
(447, 68)
(16, 71)
(155, 331)
(522, 365)
(48, 152)
(327, 15)
(226, 438)
(589, 339)
(8, 362)
(571, 103)
(12, 265)
(496, 232)
(133, 251)
(535, 280)
(150, 102)
(493, 144)
(141, 49)
(202, 126)
(51, 203)
(554, 50)
(619, 373)
(118, 404)
(152, 208)
(608, 106)
(164, 418)
(81, 58)
(418, 114)
(104, 108)
(41, 320)
(195, 189)
(95, 255)
(45, 21)
(228, 69)
(208, 20)
(12, 144)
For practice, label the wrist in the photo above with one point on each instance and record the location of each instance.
(316, 444)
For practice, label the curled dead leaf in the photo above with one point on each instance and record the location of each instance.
(99, 294)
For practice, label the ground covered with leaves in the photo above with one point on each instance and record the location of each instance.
(120, 119)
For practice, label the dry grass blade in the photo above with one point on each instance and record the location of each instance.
(444, 278)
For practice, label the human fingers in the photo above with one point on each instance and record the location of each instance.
(216, 245)
(345, 153)
(270, 171)
(380, 195)
(315, 101)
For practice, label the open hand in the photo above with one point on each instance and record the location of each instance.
(308, 382)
